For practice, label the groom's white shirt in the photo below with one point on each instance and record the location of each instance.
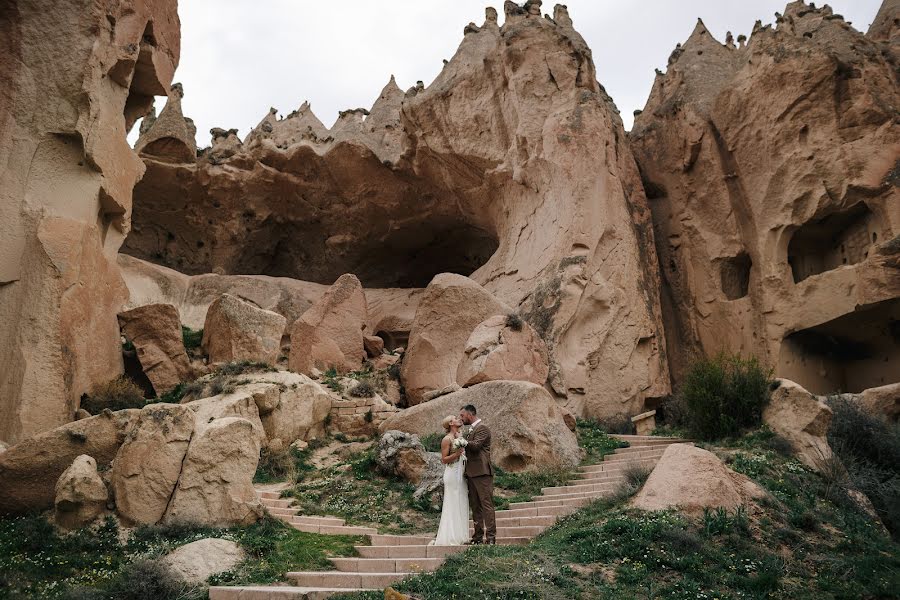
(475, 424)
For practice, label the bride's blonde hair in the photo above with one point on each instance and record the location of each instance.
(446, 422)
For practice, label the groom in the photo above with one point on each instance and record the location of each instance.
(479, 476)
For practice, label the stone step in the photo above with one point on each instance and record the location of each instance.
(637, 449)
(569, 500)
(649, 440)
(618, 467)
(276, 593)
(326, 521)
(600, 477)
(408, 551)
(268, 495)
(339, 580)
(283, 512)
(334, 529)
(549, 511)
(525, 521)
(401, 540)
(610, 459)
(575, 489)
(284, 503)
(387, 565)
(516, 532)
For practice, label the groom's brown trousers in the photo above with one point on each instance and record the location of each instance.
(481, 498)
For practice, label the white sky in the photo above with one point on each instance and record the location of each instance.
(239, 57)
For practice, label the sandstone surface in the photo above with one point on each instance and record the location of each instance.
(80, 494)
(215, 487)
(496, 181)
(30, 469)
(170, 137)
(330, 334)
(691, 479)
(155, 331)
(148, 464)
(884, 401)
(503, 347)
(237, 330)
(196, 562)
(403, 455)
(451, 308)
(771, 170)
(527, 426)
(66, 190)
(801, 419)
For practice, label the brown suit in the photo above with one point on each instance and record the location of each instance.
(480, 480)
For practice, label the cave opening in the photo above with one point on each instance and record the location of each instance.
(852, 353)
(842, 238)
(734, 273)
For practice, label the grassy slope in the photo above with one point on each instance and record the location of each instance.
(803, 542)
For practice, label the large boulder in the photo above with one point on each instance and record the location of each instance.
(403, 455)
(215, 488)
(155, 331)
(81, 494)
(803, 420)
(301, 411)
(503, 348)
(330, 334)
(884, 401)
(692, 479)
(239, 330)
(527, 426)
(451, 308)
(240, 403)
(196, 562)
(146, 469)
(30, 469)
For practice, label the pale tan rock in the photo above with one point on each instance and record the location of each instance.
(238, 330)
(80, 494)
(82, 414)
(155, 331)
(171, 137)
(503, 348)
(225, 144)
(147, 466)
(30, 469)
(196, 562)
(429, 396)
(302, 408)
(385, 361)
(215, 488)
(766, 246)
(403, 455)
(884, 401)
(644, 423)
(692, 479)
(240, 403)
(449, 311)
(527, 426)
(3, 446)
(330, 334)
(801, 419)
(374, 345)
(65, 192)
(500, 183)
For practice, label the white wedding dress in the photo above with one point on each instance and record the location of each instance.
(454, 527)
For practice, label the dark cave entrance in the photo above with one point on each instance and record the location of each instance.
(852, 353)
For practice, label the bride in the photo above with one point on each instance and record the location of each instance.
(454, 528)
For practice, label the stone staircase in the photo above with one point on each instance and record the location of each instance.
(391, 558)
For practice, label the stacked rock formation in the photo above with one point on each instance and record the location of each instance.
(772, 173)
(74, 77)
(499, 183)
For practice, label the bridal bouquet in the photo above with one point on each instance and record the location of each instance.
(460, 443)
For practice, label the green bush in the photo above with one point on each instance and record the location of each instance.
(722, 396)
(191, 338)
(869, 448)
(363, 389)
(432, 441)
(117, 394)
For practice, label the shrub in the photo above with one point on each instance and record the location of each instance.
(869, 448)
(722, 396)
(432, 442)
(363, 389)
(514, 322)
(141, 580)
(618, 424)
(191, 338)
(117, 394)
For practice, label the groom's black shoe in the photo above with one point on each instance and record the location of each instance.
(491, 542)
(474, 543)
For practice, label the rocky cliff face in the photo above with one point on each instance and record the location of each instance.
(74, 77)
(772, 172)
(512, 167)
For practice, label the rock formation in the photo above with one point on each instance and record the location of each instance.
(801, 419)
(692, 479)
(489, 172)
(65, 191)
(772, 174)
(330, 334)
(503, 347)
(155, 331)
(527, 426)
(196, 562)
(236, 330)
(403, 455)
(80, 494)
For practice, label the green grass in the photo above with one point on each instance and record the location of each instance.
(191, 338)
(595, 441)
(796, 544)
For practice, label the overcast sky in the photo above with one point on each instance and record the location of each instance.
(239, 57)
